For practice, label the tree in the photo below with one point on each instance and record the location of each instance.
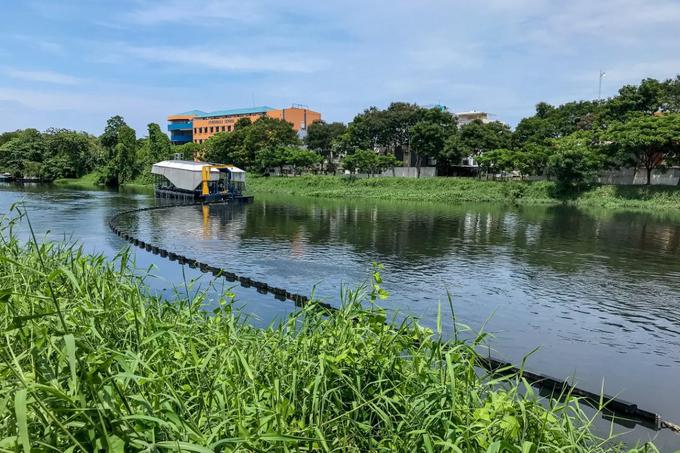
(225, 147)
(158, 144)
(121, 167)
(553, 122)
(273, 158)
(646, 141)
(648, 98)
(497, 160)
(263, 134)
(386, 162)
(242, 122)
(427, 140)
(302, 159)
(23, 154)
(536, 158)
(574, 160)
(109, 139)
(362, 160)
(243, 146)
(189, 150)
(477, 137)
(321, 136)
(69, 154)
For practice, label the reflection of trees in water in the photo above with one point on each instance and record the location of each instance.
(565, 239)
(623, 241)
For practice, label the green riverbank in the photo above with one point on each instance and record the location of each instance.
(91, 362)
(88, 181)
(91, 180)
(445, 190)
(467, 190)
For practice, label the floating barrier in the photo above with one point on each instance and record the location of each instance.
(626, 410)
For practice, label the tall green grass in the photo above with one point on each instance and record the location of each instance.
(89, 362)
(468, 190)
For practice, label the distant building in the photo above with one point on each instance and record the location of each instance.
(197, 126)
(468, 117)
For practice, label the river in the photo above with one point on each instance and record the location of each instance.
(596, 291)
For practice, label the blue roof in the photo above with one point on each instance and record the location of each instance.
(192, 112)
(244, 111)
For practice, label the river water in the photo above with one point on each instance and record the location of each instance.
(596, 291)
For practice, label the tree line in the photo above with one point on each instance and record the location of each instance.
(638, 128)
(117, 156)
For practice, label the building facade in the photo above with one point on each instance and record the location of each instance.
(197, 126)
(468, 117)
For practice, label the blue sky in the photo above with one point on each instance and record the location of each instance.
(74, 63)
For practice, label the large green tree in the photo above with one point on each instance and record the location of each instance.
(243, 146)
(321, 136)
(23, 154)
(476, 137)
(109, 139)
(575, 159)
(70, 154)
(158, 143)
(646, 141)
(427, 141)
(121, 166)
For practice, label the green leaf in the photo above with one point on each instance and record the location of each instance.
(70, 343)
(428, 443)
(22, 424)
(74, 281)
(182, 446)
(245, 365)
(116, 444)
(5, 294)
(494, 447)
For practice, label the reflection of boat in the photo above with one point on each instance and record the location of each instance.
(28, 179)
(199, 181)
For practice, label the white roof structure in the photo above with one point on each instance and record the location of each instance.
(187, 175)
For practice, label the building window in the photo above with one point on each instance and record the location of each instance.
(195, 130)
(211, 129)
(229, 128)
(224, 128)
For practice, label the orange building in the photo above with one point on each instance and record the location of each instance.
(197, 126)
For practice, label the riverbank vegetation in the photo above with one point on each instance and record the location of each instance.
(571, 144)
(462, 190)
(90, 361)
(114, 158)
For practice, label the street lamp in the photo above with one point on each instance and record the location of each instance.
(599, 87)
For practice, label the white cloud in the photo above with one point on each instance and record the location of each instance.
(201, 59)
(42, 76)
(47, 46)
(188, 11)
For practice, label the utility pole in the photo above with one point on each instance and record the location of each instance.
(599, 86)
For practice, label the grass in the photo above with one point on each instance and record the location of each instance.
(88, 180)
(467, 190)
(89, 361)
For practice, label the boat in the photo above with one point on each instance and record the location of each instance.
(199, 181)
